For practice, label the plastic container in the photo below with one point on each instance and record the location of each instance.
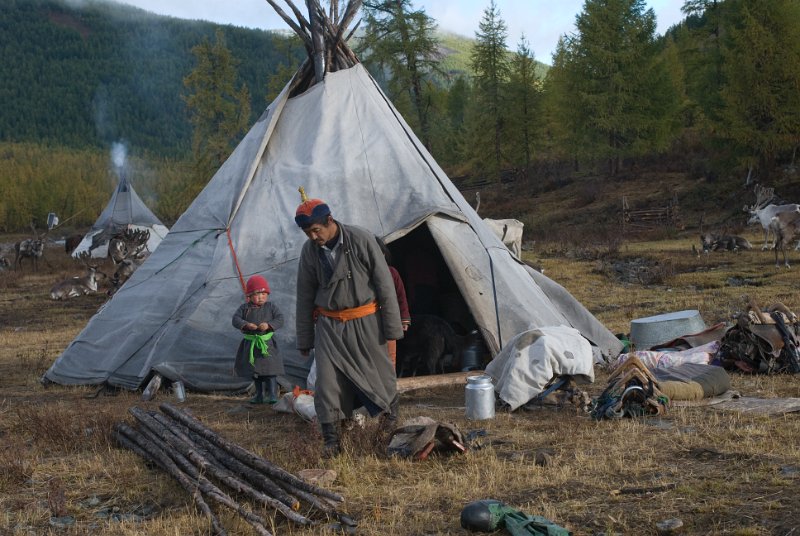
(479, 398)
(474, 353)
(179, 391)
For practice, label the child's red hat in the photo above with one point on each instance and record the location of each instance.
(257, 284)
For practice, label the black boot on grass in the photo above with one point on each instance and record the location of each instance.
(273, 389)
(331, 446)
(258, 381)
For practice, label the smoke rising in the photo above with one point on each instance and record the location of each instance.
(119, 155)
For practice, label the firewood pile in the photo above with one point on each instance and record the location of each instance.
(205, 463)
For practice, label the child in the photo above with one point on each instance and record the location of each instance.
(400, 289)
(258, 356)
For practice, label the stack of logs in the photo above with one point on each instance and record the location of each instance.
(202, 462)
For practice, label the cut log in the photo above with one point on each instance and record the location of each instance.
(405, 385)
(245, 455)
(251, 475)
(130, 439)
(205, 463)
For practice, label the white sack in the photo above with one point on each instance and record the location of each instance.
(531, 359)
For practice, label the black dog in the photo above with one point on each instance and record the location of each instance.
(426, 343)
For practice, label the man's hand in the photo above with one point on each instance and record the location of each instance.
(263, 326)
(250, 326)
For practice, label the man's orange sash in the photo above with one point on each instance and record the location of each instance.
(349, 314)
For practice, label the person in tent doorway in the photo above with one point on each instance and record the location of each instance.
(346, 311)
(402, 302)
(258, 356)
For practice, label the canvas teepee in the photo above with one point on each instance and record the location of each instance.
(334, 132)
(125, 210)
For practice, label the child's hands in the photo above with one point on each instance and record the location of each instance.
(250, 326)
(263, 326)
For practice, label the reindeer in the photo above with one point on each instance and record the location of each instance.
(31, 248)
(764, 210)
(78, 286)
(785, 226)
(509, 231)
(721, 242)
(129, 243)
(136, 254)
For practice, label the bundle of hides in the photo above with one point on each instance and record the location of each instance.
(762, 341)
(420, 436)
(633, 391)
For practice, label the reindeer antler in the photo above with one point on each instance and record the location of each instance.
(763, 196)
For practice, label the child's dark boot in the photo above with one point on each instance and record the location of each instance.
(272, 389)
(258, 381)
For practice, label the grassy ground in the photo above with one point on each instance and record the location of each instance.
(719, 472)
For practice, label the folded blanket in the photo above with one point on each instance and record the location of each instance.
(692, 381)
(654, 359)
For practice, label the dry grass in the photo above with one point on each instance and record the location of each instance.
(720, 472)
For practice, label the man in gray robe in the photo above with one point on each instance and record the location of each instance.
(346, 310)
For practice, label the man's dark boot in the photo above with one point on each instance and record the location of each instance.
(390, 417)
(330, 437)
(272, 389)
(258, 381)
(394, 410)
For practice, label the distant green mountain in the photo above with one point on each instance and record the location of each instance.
(93, 72)
(90, 73)
(456, 51)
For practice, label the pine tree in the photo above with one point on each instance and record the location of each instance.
(491, 67)
(615, 97)
(399, 42)
(523, 104)
(761, 72)
(219, 112)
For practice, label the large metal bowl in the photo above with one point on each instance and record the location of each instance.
(654, 330)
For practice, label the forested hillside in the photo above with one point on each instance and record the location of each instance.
(92, 73)
(714, 100)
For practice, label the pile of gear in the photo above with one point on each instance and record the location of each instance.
(417, 438)
(762, 341)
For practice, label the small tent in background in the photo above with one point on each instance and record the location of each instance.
(334, 132)
(125, 210)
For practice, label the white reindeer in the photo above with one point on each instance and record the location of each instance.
(764, 210)
(509, 231)
(764, 216)
(77, 286)
(785, 226)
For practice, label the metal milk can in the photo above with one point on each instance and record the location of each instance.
(479, 397)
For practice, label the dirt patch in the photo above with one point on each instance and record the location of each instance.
(637, 270)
